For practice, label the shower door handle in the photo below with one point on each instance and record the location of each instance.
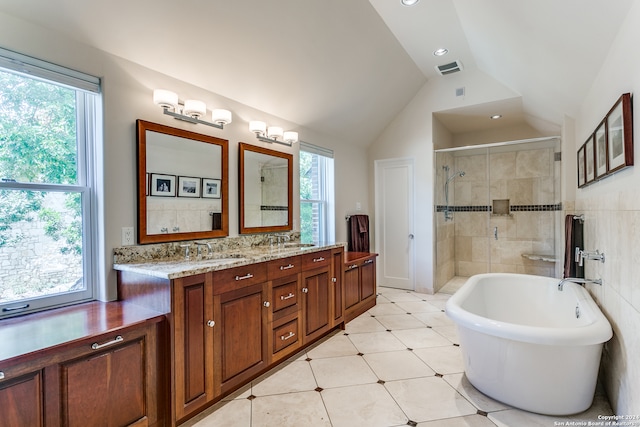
(410, 236)
(495, 233)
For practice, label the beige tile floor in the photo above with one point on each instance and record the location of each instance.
(398, 364)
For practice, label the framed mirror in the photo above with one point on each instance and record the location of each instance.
(182, 184)
(266, 189)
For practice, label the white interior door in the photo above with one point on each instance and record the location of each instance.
(394, 222)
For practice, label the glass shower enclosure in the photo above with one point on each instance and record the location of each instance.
(498, 209)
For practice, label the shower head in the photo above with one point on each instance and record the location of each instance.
(455, 175)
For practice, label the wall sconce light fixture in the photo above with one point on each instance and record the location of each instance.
(191, 111)
(272, 133)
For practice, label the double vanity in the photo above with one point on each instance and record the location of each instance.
(235, 316)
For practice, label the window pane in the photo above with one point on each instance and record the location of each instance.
(40, 244)
(309, 176)
(37, 131)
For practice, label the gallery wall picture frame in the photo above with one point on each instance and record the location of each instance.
(211, 188)
(580, 160)
(163, 185)
(589, 160)
(601, 162)
(620, 135)
(188, 186)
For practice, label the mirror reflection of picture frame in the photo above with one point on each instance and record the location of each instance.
(581, 179)
(163, 185)
(620, 135)
(601, 149)
(188, 186)
(211, 188)
(589, 161)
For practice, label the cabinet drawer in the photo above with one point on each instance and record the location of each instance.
(239, 277)
(285, 335)
(284, 294)
(284, 267)
(316, 259)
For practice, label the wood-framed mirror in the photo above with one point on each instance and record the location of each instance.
(182, 184)
(266, 189)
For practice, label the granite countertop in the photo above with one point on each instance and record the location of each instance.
(220, 260)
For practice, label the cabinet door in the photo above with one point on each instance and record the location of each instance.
(368, 279)
(21, 401)
(241, 348)
(316, 296)
(351, 286)
(337, 272)
(193, 346)
(105, 389)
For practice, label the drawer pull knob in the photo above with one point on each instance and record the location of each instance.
(334, 280)
(286, 267)
(285, 297)
(211, 323)
(369, 261)
(96, 346)
(286, 337)
(266, 304)
(305, 290)
(246, 276)
(352, 266)
(1, 375)
(318, 259)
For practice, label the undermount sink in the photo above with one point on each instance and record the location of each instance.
(299, 245)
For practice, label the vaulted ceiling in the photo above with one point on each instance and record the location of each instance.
(347, 67)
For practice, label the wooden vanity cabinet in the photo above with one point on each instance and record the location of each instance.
(359, 283)
(241, 312)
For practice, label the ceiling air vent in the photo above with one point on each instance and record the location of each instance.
(452, 67)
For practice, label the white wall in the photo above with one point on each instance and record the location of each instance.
(612, 221)
(127, 96)
(411, 135)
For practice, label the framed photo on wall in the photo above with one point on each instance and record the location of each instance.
(601, 149)
(620, 135)
(188, 186)
(589, 160)
(581, 179)
(163, 185)
(211, 188)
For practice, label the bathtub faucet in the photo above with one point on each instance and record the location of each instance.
(578, 280)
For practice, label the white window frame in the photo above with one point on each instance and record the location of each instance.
(326, 190)
(88, 110)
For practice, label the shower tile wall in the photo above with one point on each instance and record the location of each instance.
(524, 177)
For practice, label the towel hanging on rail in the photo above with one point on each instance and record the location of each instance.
(573, 238)
(358, 229)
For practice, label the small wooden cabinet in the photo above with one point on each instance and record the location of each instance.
(106, 376)
(359, 283)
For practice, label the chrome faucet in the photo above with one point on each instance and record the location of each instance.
(578, 280)
(200, 245)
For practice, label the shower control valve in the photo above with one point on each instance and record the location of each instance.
(593, 255)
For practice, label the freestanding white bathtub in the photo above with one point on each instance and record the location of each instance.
(528, 344)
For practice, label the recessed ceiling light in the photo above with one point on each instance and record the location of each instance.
(441, 51)
(409, 2)
(496, 116)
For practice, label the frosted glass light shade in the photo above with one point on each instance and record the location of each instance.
(258, 127)
(274, 132)
(194, 108)
(220, 116)
(290, 136)
(165, 98)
